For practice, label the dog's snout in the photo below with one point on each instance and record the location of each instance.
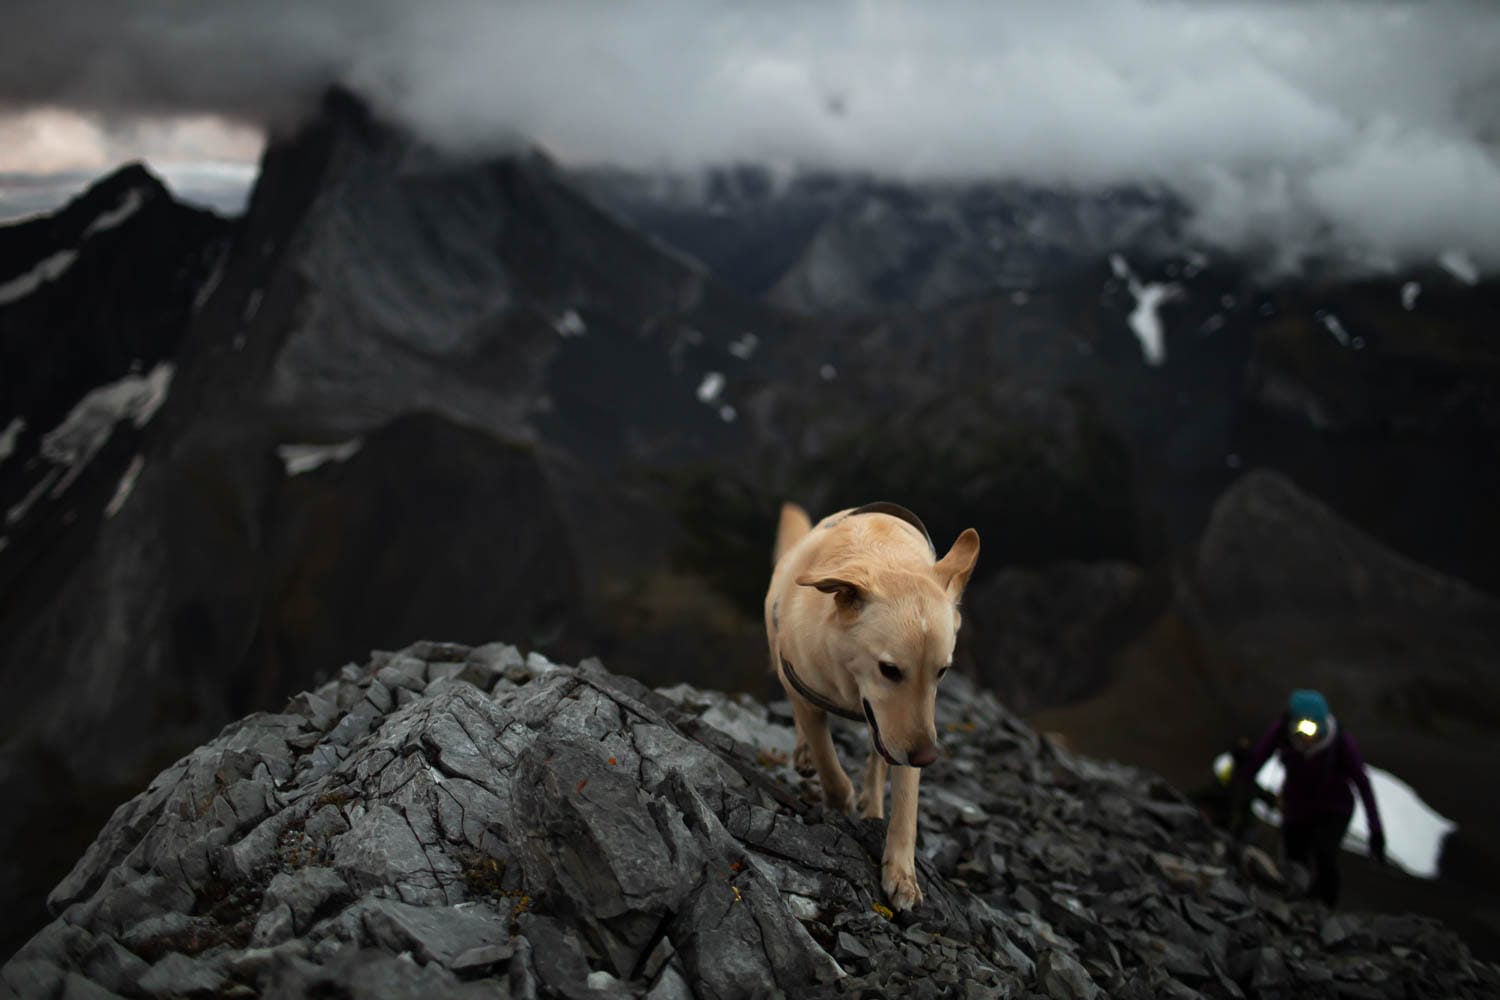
(923, 755)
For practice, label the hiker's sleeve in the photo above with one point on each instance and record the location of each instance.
(1260, 753)
(1357, 773)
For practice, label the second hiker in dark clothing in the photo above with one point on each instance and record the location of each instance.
(1317, 803)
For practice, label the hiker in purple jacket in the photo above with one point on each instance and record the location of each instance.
(1321, 763)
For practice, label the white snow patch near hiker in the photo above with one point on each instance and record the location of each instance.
(1414, 831)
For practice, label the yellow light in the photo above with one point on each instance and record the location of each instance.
(1224, 768)
(1307, 727)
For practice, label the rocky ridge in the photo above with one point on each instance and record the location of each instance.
(471, 823)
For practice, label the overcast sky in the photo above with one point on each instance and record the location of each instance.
(1371, 123)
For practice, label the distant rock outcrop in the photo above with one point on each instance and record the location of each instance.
(1271, 551)
(455, 822)
(1306, 599)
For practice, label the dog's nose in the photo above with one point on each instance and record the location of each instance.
(922, 756)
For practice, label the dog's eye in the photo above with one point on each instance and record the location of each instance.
(891, 671)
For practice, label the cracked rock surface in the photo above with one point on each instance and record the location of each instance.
(455, 822)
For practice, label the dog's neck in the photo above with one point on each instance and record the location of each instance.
(815, 699)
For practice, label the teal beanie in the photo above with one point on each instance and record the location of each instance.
(1309, 705)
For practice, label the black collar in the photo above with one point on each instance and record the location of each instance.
(901, 513)
(817, 700)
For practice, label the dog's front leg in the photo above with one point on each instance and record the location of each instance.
(898, 872)
(812, 731)
(872, 788)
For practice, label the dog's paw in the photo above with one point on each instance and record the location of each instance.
(900, 884)
(802, 759)
(841, 800)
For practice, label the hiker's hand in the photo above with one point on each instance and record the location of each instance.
(1377, 847)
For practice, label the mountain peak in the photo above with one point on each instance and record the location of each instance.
(112, 199)
(134, 174)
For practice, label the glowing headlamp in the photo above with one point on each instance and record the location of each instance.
(1307, 727)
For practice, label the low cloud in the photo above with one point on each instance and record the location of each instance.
(49, 140)
(1366, 127)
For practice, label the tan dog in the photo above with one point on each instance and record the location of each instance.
(861, 618)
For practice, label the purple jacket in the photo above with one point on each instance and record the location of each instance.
(1317, 783)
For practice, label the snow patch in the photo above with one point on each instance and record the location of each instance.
(87, 427)
(52, 267)
(710, 387)
(1331, 322)
(21, 509)
(727, 413)
(1409, 293)
(47, 270)
(571, 324)
(744, 347)
(1019, 298)
(127, 484)
(211, 283)
(828, 373)
(297, 459)
(1460, 265)
(252, 305)
(129, 205)
(1145, 318)
(1414, 831)
(9, 436)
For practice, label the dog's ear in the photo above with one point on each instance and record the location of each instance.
(955, 568)
(848, 594)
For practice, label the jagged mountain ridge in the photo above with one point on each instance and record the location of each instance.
(1340, 382)
(468, 822)
(816, 242)
(93, 300)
